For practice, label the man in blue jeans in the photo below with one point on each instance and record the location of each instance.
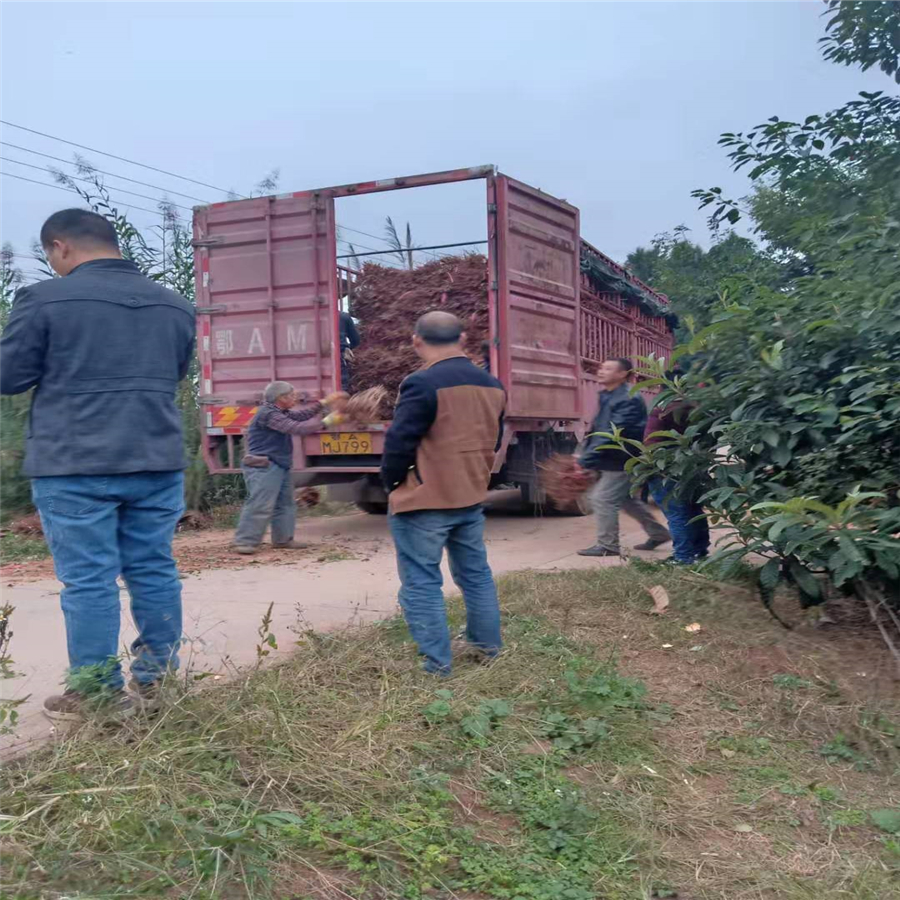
(687, 522)
(104, 348)
(267, 466)
(436, 467)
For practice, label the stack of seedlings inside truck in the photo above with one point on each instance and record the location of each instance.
(386, 303)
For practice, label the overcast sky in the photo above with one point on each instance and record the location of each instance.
(614, 106)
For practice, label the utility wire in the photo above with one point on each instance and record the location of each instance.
(59, 187)
(132, 162)
(69, 162)
(145, 166)
(19, 162)
(382, 239)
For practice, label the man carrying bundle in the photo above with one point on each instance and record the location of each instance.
(267, 466)
(618, 408)
(436, 467)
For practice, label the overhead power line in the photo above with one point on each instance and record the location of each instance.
(384, 240)
(124, 159)
(59, 187)
(69, 162)
(19, 162)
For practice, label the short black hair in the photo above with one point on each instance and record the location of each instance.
(79, 226)
(438, 327)
(625, 364)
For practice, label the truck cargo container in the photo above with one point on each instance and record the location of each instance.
(267, 289)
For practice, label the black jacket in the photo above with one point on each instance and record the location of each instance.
(104, 347)
(349, 335)
(439, 450)
(616, 408)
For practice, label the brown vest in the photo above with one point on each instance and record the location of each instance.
(456, 455)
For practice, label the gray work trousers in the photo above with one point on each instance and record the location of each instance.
(611, 494)
(270, 498)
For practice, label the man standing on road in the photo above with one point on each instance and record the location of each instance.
(104, 348)
(618, 408)
(267, 467)
(687, 523)
(436, 467)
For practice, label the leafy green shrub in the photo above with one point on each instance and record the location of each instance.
(793, 434)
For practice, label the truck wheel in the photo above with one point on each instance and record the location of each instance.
(373, 509)
(539, 505)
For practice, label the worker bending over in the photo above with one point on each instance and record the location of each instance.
(266, 467)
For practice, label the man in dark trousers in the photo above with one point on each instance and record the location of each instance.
(620, 409)
(267, 466)
(104, 349)
(687, 523)
(436, 467)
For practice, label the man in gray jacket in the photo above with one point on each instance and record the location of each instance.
(267, 466)
(104, 348)
(617, 408)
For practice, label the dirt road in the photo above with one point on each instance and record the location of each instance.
(349, 577)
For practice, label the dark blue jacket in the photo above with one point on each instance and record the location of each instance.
(104, 347)
(626, 412)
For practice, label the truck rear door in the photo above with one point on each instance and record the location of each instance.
(265, 273)
(535, 275)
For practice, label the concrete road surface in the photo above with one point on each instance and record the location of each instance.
(223, 608)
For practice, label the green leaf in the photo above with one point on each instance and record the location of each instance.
(496, 709)
(782, 455)
(476, 726)
(770, 575)
(804, 579)
(437, 710)
(887, 819)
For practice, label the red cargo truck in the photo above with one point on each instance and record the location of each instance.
(267, 279)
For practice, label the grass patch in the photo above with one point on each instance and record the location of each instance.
(16, 548)
(587, 762)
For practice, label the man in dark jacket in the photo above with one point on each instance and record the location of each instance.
(349, 341)
(687, 523)
(267, 466)
(619, 409)
(436, 468)
(104, 349)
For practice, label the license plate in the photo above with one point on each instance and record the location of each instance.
(333, 444)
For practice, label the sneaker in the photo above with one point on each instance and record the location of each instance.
(462, 650)
(597, 550)
(71, 706)
(244, 549)
(291, 545)
(651, 544)
(148, 695)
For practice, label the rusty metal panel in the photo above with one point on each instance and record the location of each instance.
(536, 248)
(265, 277)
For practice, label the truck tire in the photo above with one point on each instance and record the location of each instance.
(539, 505)
(372, 508)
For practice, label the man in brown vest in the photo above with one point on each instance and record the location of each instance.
(436, 467)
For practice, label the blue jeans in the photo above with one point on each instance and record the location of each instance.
(420, 538)
(270, 498)
(690, 540)
(99, 527)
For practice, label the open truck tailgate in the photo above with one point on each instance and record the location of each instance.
(265, 272)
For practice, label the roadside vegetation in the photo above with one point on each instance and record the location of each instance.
(609, 753)
(790, 348)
